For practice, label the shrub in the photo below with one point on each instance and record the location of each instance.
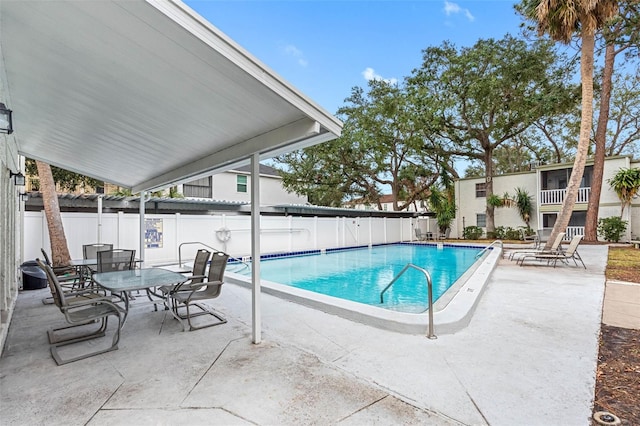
(512, 234)
(611, 228)
(504, 233)
(472, 233)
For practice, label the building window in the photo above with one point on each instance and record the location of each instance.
(481, 190)
(199, 188)
(241, 183)
(481, 220)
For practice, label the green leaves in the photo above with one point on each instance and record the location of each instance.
(66, 179)
(626, 184)
(381, 146)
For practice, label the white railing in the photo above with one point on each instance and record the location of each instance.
(572, 231)
(556, 196)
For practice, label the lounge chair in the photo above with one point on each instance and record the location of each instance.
(570, 253)
(556, 247)
(419, 235)
(529, 238)
(542, 236)
(87, 308)
(186, 295)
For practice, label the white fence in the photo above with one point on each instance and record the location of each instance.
(278, 234)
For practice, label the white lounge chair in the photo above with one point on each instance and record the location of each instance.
(556, 247)
(570, 253)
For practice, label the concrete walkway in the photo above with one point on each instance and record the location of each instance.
(622, 304)
(528, 357)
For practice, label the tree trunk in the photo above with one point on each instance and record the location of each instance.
(586, 120)
(591, 225)
(59, 250)
(488, 169)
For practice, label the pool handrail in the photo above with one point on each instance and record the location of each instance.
(209, 247)
(481, 252)
(431, 334)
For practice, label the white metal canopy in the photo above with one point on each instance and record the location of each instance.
(144, 94)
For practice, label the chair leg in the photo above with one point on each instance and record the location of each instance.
(114, 346)
(54, 339)
(205, 311)
(173, 307)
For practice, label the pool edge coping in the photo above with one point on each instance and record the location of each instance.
(453, 317)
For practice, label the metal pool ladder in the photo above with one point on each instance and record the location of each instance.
(431, 334)
(481, 252)
(246, 265)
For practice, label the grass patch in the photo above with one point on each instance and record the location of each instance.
(623, 264)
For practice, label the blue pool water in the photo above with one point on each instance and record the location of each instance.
(360, 275)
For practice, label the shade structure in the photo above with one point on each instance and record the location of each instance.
(144, 94)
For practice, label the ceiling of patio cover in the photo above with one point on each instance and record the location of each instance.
(144, 94)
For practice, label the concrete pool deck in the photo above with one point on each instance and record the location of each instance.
(528, 356)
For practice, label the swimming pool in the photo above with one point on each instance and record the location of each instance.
(451, 313)
(360, 275)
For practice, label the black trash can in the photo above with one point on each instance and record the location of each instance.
(33, 278)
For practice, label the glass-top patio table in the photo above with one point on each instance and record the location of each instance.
(136, 279)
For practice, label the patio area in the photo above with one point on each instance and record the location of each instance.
(527, 357)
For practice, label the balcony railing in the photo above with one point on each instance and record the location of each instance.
(556, 196)
(573, 231)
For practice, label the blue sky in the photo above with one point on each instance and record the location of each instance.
(324, 48)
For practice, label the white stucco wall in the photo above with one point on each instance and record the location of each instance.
(468, 205)
(271, 190)
(10, 218)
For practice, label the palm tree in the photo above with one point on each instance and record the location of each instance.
(523, 204)
(59, 250)
(442, 203)
(618, 37)
(561, 20)
(626, 183)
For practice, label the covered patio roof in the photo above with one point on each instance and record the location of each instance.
(144, 94)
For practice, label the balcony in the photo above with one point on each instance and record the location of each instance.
(556, 196)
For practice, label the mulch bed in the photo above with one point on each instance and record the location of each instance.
(618, 374)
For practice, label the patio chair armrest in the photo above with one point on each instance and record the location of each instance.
(81, 292)
(195, 277)
(179, 287)
(89, 302)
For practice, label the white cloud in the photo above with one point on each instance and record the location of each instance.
(469, 16)
(291, 50)
(370, 74)
(453, 8)
(450, 8)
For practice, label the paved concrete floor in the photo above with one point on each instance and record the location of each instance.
(528, 357)
(622, 305)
